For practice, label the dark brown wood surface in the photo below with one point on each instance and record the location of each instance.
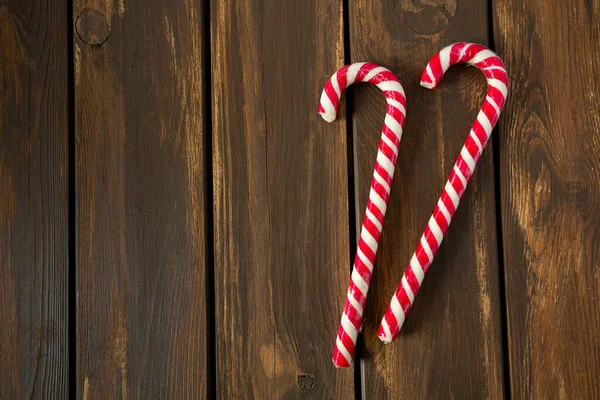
(34, 192)
(281, 211)
(451, 341)
(140, 120)
(550, 187)
(176, 218)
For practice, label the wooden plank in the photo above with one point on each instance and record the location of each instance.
(550, 157)
(140, 121)
(281, 213)
(450, 344)
(34, 207)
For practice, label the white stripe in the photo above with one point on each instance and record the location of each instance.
(381, 181)
(427, 249)
(430, 73)
(378, 201)
(476, 140)
(444, 211)
(485, 122)
(493, 104)
(393, 125)
(494, 67)
(417, 269)
(364, 259)
(354, 303)
(385, 163)
(408, 290)
(330, 112)
(397, 310)
(369, 239)
(452, 193)
(336, 85)
(498, 84)
(374, 72)
(349, 328)
(360, 283)
(435, 229)
(391, 86)
(374, 220)
(468, 159)
(481, 56)
(352, 71)
(445, 58)
(386, 332)
(343, 350)
(398, 105)
(460, 175)
(387, 141)
(463, 51)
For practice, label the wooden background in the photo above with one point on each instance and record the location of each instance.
(176, 221)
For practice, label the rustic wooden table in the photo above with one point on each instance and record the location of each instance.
(177, 221)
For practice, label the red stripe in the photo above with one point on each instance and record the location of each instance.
(379, 214)
(436, 67)
(353, 316)
(490, 112)
(440, 218)
(395, 95)
(357, 293)
(422, 256)
(383, 76)
(448, 202)
(364, 71)
(346, 340)
(392, 322)
(462, 165)
(383, 173)
(333, 97)
(388, 152)
(496, 95)
(342, 75)
(456, 183)
(339, 359)
(472, 147)
(364, 247)
(391, 135)
(412, 280)
(431, 240)
(403, 299)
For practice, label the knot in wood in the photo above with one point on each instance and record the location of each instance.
(91, 27)
(306, 382)
(428, 17)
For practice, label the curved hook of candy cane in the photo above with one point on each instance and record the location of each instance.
(497, 80)
(378, 196)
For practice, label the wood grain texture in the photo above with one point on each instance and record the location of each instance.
(34, 187)
(281, 214)
(450, 345)
(141, 301)
(550, 175)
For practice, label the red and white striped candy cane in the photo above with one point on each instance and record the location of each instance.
(497, 80)
(378, 196)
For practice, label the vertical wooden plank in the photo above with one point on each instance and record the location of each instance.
(34, 186)
(450, 344)
(550, 163)
(280, 183)
(141, 310)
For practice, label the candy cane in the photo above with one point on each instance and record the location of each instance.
(497, 80)
(378, 196)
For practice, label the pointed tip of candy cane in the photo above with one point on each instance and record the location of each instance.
(339, 360)
(383, 336)
(327, 116)
(428, 85)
